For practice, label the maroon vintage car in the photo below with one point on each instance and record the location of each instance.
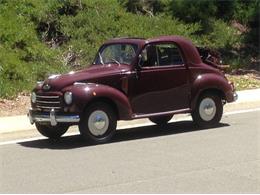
(132, 78)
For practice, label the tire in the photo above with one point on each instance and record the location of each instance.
(161, 120)
(98, 123)
(52, 132)
(208, 111)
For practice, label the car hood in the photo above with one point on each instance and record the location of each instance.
(94, 73)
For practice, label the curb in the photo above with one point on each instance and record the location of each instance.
(21, 122)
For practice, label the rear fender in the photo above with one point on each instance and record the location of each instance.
(210, 83)
(84, 94)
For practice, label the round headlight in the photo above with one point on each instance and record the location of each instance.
(33, 97)
(68, 97)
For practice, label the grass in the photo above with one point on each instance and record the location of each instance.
(243, 82)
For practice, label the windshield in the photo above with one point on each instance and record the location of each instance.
(116, 53)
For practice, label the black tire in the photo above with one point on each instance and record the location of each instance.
(212, 118)
(108, 118)
(52, 132)
(161, 120)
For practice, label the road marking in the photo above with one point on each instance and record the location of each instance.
(242, 111)
(17, 141)
(125, 127)
(21, 140)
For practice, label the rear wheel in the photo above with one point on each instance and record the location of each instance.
(52, 132)
(208, 111)
(161, 120)
(98, 123)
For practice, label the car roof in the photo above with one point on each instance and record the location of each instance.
(189, 50)
(133, 40)
(142, 41)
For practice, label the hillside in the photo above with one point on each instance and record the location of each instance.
(38, 38)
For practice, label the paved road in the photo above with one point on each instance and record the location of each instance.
(176, 159)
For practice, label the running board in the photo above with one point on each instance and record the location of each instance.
(137, 116)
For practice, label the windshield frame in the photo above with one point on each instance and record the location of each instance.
(98, 60)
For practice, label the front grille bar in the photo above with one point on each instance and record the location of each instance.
(48, 102)
(47, 96)
(48, 107)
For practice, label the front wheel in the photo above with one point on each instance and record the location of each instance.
(98, 123)
(208, 111)
(52, 132)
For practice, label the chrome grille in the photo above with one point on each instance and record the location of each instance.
(48, 102)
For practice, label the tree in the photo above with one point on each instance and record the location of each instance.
(150, 7)
(252, 37)
(189, 11)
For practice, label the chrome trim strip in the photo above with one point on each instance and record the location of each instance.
(47, 102)
(79, 83)
(45, 96)
(48, 107)
(136, 116)
(129, 72)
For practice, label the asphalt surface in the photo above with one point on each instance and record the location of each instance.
(178, 158)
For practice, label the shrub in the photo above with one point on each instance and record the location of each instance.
(53, 36)
(23, 58)
(222, 36)
(102, 20)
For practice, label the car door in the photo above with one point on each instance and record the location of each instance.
(161, 84)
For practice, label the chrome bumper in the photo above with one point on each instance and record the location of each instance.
(52, 118)
(235, 96)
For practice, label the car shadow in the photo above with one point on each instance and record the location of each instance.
(121, 135)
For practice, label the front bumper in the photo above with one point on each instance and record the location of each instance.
(231, 96)
(51, 117)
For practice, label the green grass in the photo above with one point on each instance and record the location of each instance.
(243, 82)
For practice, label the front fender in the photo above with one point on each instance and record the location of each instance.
(83, 94)
(212, 82)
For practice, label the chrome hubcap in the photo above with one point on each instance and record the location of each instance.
(98, 123)
(207, 109)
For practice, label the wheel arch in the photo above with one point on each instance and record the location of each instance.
(214, 91)
(86, 94)
(105, 100)
(209, 83)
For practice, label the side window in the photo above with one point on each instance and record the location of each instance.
(161, 55)
(169, 54)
